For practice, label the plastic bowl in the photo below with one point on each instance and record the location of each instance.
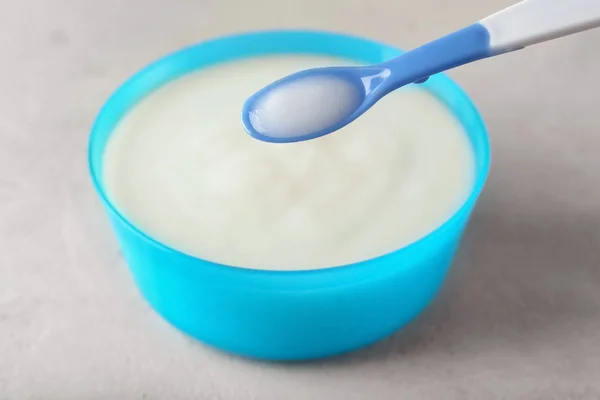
(283, 315)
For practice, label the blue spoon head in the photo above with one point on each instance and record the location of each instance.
(311, 103)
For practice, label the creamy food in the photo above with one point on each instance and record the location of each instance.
(304, 106)
(181, 167)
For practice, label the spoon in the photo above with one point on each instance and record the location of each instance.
(319, 101)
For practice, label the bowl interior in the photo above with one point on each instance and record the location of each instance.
(281, 42)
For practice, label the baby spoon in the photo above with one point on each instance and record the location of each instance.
(319, 101)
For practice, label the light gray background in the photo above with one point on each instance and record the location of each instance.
(519, 317)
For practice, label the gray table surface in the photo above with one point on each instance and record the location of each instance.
(519, 318)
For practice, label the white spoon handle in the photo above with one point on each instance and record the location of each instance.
(534, 21)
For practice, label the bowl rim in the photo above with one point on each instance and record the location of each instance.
(353, 270)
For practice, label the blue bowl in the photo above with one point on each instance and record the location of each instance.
(286, 315)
